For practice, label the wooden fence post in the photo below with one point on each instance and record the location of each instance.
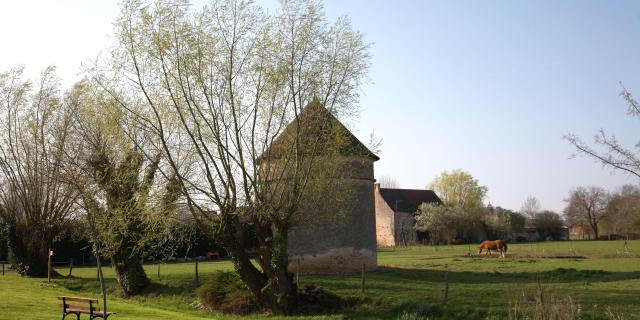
(49, 254)
(3, 268)
(363, 278)
(446, 285)
(197, 276)
(158, 271)
(70, 267)
(298, 273)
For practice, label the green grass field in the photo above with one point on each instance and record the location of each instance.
(598, 276)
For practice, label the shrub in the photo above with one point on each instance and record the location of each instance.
(226, 292)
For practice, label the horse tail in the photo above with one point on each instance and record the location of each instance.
(505, 246)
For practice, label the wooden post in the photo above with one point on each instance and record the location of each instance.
(3, 268)
(298, 274)
(363, 278)
(49, 253)
(446, 285)
(197, 276)
(158, 271)
(70, 267)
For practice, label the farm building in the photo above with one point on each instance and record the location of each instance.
(335, 231)
(394, 214)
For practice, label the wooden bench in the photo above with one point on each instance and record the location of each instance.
(81, 307)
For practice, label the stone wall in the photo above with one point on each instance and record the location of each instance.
(337, 237)
(385, 224)
(404, 232)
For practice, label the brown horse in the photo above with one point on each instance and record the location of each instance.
(497, 245)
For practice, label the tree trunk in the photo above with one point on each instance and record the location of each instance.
(131, 275)
(29, 255)
(283, 295)
(273, 287)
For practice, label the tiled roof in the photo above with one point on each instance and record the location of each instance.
(319, 130)
(408, 200)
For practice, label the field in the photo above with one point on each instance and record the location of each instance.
(599, 278)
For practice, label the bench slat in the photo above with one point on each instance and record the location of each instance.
(77, 299)
(75, 306)
(78, 311)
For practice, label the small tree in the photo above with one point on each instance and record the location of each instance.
(435, 219)
(587, 207)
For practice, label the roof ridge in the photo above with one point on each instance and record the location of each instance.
(316, 114)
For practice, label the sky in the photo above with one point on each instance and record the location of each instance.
(489, 87)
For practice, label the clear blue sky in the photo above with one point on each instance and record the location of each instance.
(489, 87)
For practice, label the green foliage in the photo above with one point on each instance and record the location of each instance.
(500, 222)
(549, 225)
(464, 196)
(226, 292)
(129, 203)
(458, 189)
(436, 219)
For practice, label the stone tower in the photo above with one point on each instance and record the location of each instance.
(335, 231)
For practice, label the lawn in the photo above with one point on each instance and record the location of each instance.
(598, 276)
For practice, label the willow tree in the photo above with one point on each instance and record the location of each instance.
(35, 199)
(215, 87)
(129, 204)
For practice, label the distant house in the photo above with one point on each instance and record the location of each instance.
(528, 233)
(394, 214)
(579, 232)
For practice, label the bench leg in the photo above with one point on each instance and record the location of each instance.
(64, 315)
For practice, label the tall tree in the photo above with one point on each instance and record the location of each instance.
(587, 207)
(607, 150)
(623, 210)
(215, 88)
(35, 200)
(388, 182)
(530, 207)
(459, 189)
(464, 195)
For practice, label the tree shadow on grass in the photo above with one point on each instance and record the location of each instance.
(394, 274)
(394, 278)
(171, 287)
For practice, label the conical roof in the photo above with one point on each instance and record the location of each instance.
(318, 131)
